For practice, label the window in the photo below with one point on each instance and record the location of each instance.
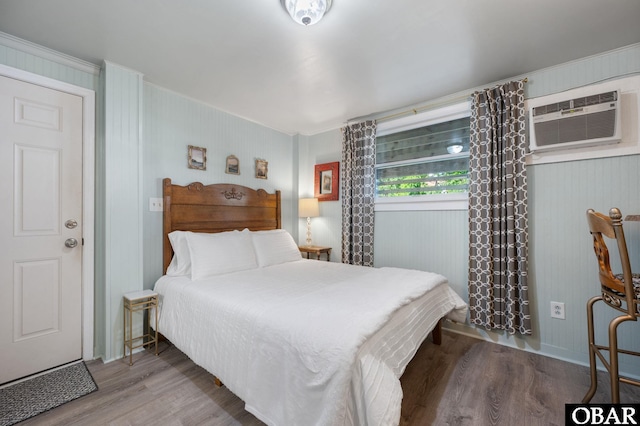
(422, 162)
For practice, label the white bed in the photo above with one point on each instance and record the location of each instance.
(301, 342)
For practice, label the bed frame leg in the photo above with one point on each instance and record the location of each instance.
(217, 382)
(436, 333)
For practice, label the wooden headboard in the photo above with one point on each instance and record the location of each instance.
(216, 208)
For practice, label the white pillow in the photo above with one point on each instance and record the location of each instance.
(215, 254)
(274, 247)
(181, 261)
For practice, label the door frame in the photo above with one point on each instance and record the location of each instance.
(88, 192)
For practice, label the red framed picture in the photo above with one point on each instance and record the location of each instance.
(327, 181)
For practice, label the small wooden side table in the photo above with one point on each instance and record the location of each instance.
(317, 250)
(145, 301)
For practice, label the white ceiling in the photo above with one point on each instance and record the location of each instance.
(250, 59)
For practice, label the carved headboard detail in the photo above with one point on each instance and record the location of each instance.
(216, 208)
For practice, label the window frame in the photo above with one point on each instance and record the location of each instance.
(456, 201)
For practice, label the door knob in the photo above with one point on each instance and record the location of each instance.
(71, 242)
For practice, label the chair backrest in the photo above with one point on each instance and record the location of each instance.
(615, 291)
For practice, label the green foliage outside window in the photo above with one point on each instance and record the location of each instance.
(425, 184)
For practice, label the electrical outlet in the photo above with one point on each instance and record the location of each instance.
(557, 310)
(156, 205)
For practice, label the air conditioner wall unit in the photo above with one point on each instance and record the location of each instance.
(586, 117)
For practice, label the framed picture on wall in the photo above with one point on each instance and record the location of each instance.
(327, 181)
(197, 157)
(262, 168)
(233, 165)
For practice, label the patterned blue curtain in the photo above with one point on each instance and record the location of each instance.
(358, 192)
(498, 290)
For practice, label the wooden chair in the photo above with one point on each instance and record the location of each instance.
(620, 292)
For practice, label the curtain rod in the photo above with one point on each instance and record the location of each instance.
(415, 111)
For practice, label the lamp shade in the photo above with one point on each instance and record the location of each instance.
(308, 207)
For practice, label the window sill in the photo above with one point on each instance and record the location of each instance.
(423, 202)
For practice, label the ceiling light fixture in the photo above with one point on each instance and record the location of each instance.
(454, 148)
(306, 12)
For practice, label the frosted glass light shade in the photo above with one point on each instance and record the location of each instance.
(306, 12)
(455, 149)
(308, 207)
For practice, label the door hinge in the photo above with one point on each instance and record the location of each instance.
(83, 241)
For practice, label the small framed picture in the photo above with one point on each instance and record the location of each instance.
(327, 181)
(197, 158)
(262, 168)
(233, 165)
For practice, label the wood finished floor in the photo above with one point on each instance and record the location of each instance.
(463, 382)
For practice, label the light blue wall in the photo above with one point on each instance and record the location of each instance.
(120, 198)
(68, 73)
(171, 123)
(561, 263)
(326, 230)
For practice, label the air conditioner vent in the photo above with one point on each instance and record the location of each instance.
(580, 121)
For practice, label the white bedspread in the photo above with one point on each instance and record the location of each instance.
(288, 339)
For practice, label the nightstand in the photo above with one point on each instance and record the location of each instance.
(139, 301)
(317, 250)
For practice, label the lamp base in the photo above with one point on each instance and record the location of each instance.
(308, 231)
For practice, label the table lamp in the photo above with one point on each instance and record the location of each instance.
(308, 207)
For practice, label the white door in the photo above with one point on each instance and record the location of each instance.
(40, 211)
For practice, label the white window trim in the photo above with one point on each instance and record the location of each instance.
(424, 202)
(434, 116)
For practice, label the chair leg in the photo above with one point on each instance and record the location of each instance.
(613, 357)
(592, 351)
(613, 362)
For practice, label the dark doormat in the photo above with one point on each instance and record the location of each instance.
(27, 398)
